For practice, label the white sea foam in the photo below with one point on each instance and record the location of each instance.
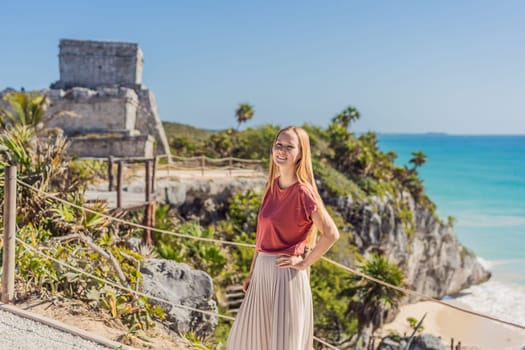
(518, 264)
(487, 264)
(498, 299)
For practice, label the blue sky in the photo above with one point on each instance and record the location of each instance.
(407, 66)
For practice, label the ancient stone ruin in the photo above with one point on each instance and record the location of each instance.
(112, 113)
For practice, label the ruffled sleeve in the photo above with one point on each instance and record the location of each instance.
(309, 201)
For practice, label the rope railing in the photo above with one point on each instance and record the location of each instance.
(207, 163)
(127, 159)
(240, 160)
(175, 167)
(116, 285)
(185, 158)
(181, 158)
(216, 160)
(420, 295)
(112, 218)
(173, 157)
(208, 168)
(135, 292)
(243, 167)
(344, 267)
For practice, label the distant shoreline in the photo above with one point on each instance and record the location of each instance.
(445, 134)
(358, 132)
(446, 323)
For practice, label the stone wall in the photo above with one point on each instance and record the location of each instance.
(107, 110)
(100, 95)
(148, 120)
(93, 63)
(118, 146)
(94, 111)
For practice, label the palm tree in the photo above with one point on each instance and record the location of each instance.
(369, 300)
(418, 159)
(369, 152)
(244, 113)
(338, 130)
(350, 114)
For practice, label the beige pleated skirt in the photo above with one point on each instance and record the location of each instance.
(276, 313)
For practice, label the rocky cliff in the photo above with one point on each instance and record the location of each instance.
(204, 199)
(434, 261)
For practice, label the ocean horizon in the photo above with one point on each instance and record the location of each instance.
(480, 181)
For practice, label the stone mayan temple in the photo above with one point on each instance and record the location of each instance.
(112, 112)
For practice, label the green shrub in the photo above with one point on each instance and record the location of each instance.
(336, 183)
(331, 320)
(243, 209)
(206, 256)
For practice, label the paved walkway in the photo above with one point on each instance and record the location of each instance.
(22, 333)
(133, 194)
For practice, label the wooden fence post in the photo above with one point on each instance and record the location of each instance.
(120, 177)
(110, 173)
(149, 221)
(153, 174)
(8, 262)
(147, 185)
(451, 343)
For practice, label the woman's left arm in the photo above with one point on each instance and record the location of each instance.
(329, 235)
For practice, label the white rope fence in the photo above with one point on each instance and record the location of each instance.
(231, 165)
(129, 290)
(112, 218)
(422, 296)
(344, 267)
(177, 158)
(216, 160)
(205, 163)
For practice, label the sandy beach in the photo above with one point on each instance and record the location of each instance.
(473, 332)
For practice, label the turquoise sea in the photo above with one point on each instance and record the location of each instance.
(480, 180)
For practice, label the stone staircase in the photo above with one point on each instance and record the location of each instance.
(234, 298)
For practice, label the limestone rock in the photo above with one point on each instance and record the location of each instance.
(204, 199)
(434, 261)
(180, 284)
(419, 342)
(427, 342)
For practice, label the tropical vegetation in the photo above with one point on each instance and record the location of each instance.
(71, 234)
(345, 163)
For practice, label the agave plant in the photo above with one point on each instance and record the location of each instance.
(26, 109)
(16, 146)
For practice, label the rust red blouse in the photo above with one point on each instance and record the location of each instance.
(285, 219)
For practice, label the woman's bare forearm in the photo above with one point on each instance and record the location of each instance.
(329, 235)
(324, 243)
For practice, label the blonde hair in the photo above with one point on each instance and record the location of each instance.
(303, 170)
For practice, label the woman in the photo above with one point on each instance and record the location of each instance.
(276, 313)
